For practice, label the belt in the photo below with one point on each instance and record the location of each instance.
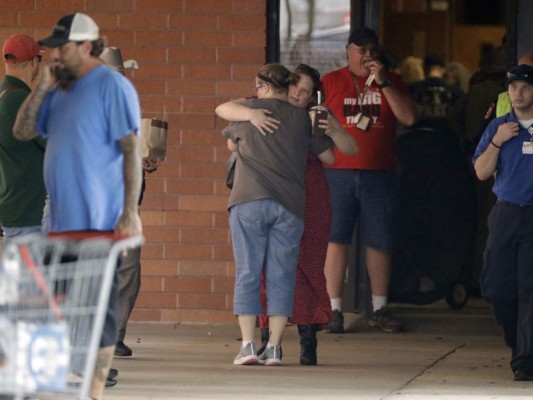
(509, 204)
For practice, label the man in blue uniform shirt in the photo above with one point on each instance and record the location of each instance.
(506, 151)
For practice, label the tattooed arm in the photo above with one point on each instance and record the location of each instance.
(129, 223)
(24, 128)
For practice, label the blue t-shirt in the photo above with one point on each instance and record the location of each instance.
(83, 165)
(513, 179)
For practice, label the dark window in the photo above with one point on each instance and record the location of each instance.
(482, 12)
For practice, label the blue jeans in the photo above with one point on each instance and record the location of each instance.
(10, 233)
(265, 237)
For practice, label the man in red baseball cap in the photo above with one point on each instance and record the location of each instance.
(22, 192)
(19, 48)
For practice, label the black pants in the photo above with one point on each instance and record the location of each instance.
(507, 277)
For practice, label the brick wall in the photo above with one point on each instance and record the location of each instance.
(192, 55)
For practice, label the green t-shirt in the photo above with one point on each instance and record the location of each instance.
(22, 191)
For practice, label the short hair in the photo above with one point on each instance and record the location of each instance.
(277, 75)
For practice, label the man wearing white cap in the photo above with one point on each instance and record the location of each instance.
(90, 116)
(22, 192)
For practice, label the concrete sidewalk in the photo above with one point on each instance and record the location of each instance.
(444, 354)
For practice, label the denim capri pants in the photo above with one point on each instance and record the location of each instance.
(265, 237)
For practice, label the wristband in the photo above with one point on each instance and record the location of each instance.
(492, 143)
(386, 83)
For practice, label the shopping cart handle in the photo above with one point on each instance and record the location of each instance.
(83, 235)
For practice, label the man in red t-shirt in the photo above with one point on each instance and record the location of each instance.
(369, 102)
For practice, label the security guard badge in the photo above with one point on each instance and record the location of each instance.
(527, 148)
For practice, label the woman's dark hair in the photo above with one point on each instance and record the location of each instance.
(313, 74)
(276, 75)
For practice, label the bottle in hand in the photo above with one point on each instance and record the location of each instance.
(318, 113)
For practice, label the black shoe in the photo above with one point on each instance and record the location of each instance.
(264, 340)
(110, 383)
(77, 379)
(308, 344)
(121, 350)
(525, 374)
(337, 322)
(113, 373)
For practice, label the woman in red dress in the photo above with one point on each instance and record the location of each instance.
(312, 307)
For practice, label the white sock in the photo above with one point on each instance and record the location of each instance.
(246, 343)
(336, 303)
(269, 345)
(378, 302)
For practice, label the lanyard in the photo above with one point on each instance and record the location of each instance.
(360, 94)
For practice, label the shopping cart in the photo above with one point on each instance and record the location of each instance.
(54, 293)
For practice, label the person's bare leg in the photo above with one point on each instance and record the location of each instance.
(101, 370)
(379, 269)
(335, 272)
(272, 354)
(247, 325)
(335, 268)
(247, 354)
(276, 325)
